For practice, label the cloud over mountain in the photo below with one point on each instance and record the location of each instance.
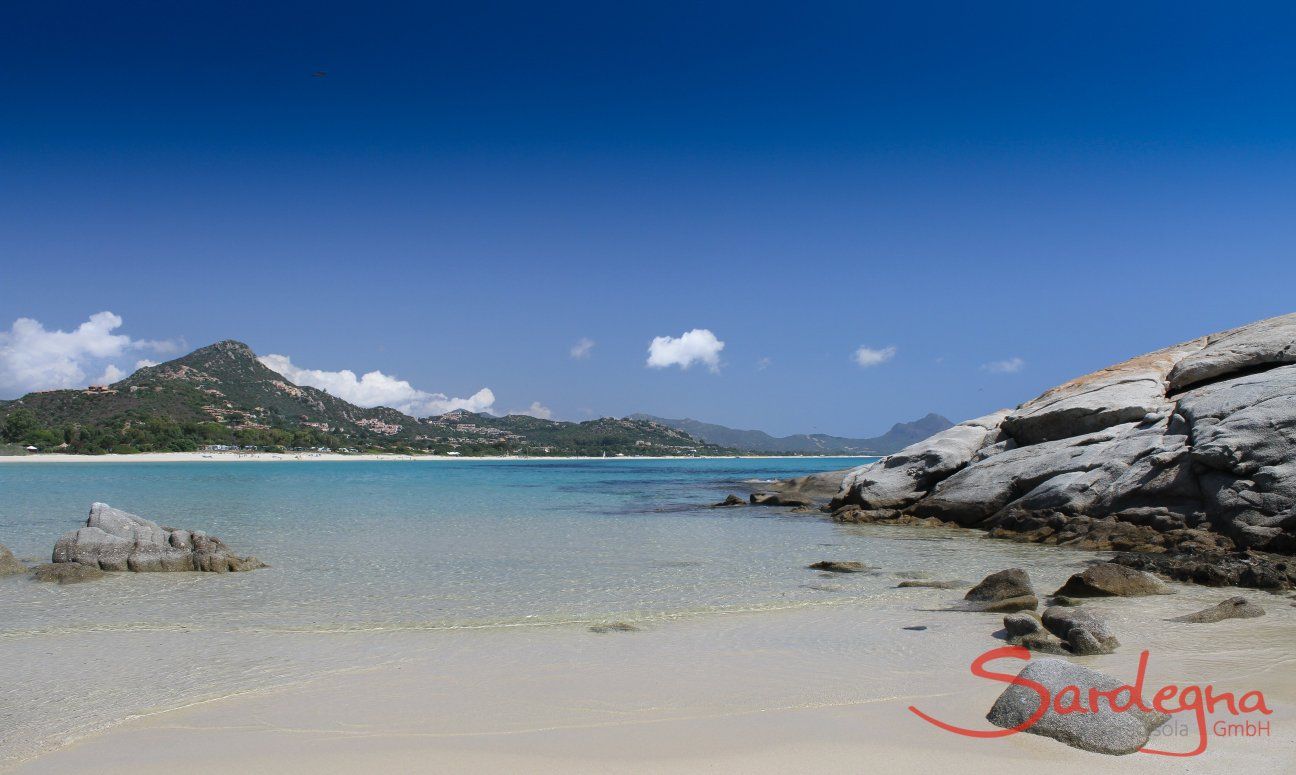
(33, 357)
(375, 388)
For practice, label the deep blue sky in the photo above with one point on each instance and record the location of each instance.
(476, 186)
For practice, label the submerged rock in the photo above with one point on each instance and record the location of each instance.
(66, 572)
(1007, 590)
(840, 566)
(1233, 608)
(775, 499)
(950, 584)
(1104, 730)
(1108, 580)
(114, 540)
(603, 629)
(9, 564)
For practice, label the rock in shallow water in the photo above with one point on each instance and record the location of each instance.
(1108, 580)
(1233, 608)
(1082, 632)
(66, 572)
(1103, 731)
(114, 540)
(9, 564)
(840, 566)
(1007, 590)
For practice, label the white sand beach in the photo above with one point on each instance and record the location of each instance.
(741, 693)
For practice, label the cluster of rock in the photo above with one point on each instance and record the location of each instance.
(114, 540)
(1190, 449)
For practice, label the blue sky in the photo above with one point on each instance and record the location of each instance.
(472, 189)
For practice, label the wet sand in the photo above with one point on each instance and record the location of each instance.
(810, 688)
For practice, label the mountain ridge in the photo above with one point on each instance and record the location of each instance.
(222, 394)
(898, 437)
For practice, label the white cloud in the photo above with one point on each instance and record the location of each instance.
(110, 375)
(696, 346)
(867, 356)
(377, 389)
(582, 348)
(33, 357)
(763, 364)
(536, 409)
(144, 363)
(1010, 366)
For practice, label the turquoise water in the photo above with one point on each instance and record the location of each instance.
(373, 562)
(400, 544)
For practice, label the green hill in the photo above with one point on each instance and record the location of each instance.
(223, 395)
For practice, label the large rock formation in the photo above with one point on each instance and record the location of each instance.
(1191, 448)
(114, 540)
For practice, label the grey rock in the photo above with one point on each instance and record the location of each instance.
(775, 499)
(1265, 343)
(906, 477)
(1103, 731)
(1187, 450)
(1025, 629)
(9, 564)
(1110, 580)
(1007, 590)
(66, 572)
(1233, 608)
(1082, 631)
(115, 540)
(730, 500)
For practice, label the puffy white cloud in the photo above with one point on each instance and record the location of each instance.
(144, 363)
(377, 389)
(868, 356)
(696, 346)
(33, 357)
(582, 348)
(1008, 366)
(536, 409)
(110, 375)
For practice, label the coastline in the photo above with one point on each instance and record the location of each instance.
(304, 457)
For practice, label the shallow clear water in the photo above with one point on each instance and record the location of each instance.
(371, 560)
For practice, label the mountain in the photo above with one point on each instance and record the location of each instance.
(900, 436)
(223, 394)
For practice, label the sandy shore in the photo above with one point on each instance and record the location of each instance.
(304, 457)
(805, 689)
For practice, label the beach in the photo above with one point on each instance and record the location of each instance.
(758, 692)
(443, 618)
